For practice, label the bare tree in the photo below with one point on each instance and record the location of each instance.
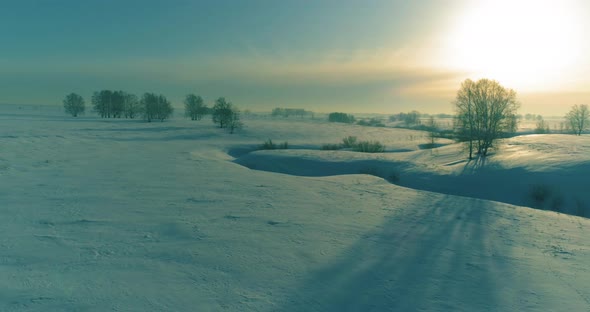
(226, 115)
(485, 111)
(115, 104)
(118, 103)
(577, 118)
(74, 104)
(102, 103)
(194, 107)
(155, 107)
(542, 126)
(132, 107)
(222, 112)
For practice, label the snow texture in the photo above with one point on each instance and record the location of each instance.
(123, 215)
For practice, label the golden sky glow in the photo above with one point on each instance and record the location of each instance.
(348, 55)
(526, 44)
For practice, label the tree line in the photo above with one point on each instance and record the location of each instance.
(118, 104)
(151, 106)
(286, 112)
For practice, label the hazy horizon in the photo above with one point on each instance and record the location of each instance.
(377, 57)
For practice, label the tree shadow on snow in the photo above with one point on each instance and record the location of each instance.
(474, 165)
(435, 259)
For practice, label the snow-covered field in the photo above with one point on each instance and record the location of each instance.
(124, 215)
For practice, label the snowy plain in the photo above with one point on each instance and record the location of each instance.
(125, 215)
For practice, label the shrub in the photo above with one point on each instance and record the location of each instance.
(547, 197)
(331, 147)
(540, 193)
(409, 119)
(542, 126)
(234, 122)
(341, 117)
(391, 177)
(270, 145)
(286, 112)
(369, 147)
(349, 142)
(373, 122)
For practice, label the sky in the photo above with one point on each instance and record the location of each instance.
(341, 55)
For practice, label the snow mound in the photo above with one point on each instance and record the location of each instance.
(535, 171)
(114, 215)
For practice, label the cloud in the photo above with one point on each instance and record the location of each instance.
(376, 78)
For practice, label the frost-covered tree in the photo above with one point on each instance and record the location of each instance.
(194, 107)
(485, 111)
(577, 118)
(74, 104)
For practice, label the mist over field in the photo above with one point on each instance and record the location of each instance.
(294, 155)
(123, 214)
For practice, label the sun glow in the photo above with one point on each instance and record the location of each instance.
(530, 45)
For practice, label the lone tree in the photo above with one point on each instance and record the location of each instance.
(223, 112)
(577, 118)
(74, 104)
(194, 107)
(155, 107)
(485, 111)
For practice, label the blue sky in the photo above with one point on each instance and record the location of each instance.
(353, 56)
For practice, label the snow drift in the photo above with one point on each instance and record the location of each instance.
(123, 215)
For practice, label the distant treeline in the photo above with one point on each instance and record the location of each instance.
(118, 104)
(287, 112)
(151, 106)
(341, 117)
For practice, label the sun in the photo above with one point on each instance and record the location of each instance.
(529, 44)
